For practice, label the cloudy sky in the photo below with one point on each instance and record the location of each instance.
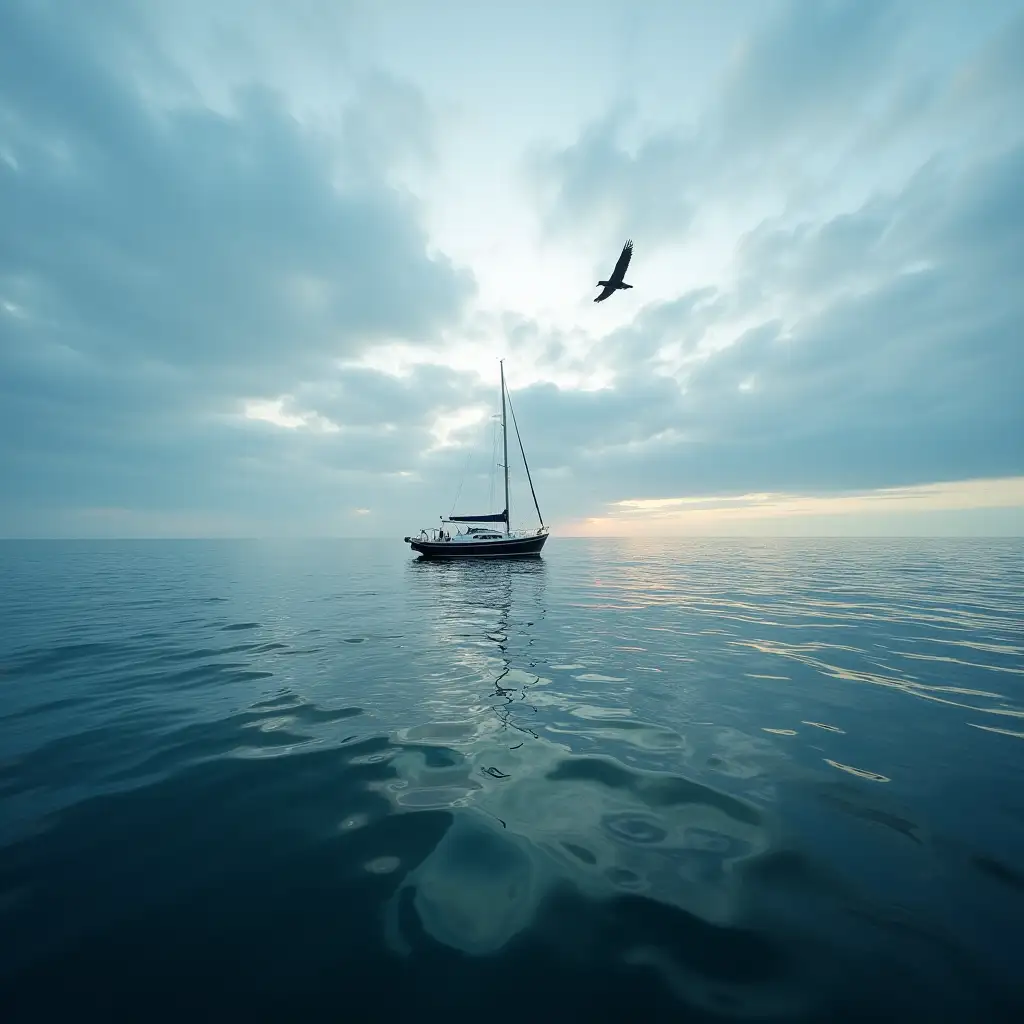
(259, 261)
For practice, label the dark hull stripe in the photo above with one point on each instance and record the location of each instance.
(490, 549)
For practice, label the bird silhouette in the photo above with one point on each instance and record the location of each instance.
(615, 281)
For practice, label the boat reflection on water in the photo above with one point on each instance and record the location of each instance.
(489, 613)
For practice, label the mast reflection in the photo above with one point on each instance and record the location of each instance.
(490, 613)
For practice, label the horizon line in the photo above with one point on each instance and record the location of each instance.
(577, 536)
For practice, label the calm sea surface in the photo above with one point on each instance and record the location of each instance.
(632, 781)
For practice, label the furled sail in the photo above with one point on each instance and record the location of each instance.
(498, 517)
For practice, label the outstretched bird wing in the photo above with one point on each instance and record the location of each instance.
(605, 292)
(620, 268)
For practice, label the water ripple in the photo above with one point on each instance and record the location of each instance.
(708, 779)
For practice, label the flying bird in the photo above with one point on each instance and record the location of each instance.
(615, 281)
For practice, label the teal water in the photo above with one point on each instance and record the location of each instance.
(686, 781)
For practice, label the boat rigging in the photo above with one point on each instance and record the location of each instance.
(487, 541)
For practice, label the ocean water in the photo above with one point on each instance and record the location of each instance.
(631, 781)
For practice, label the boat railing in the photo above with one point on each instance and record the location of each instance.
(435, 534)
(536, 532)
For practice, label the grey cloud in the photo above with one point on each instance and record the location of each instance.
(678, 325)
(597, 180)
(200, 236)
(159, 264)
(909, 373)
(823, 78)
(839, 252)
(547, 348)
(392, 125)
(946, 214)
(364, 397)
(812, 65)
(680, 322)
(561, 422)
(993, 82)
(223, 243)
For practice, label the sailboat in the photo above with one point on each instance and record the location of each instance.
(486, 541)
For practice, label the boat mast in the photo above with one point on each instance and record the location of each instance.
(504, 440)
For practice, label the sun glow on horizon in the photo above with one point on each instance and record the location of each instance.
(765, 513)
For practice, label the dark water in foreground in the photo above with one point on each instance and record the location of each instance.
(710, 780)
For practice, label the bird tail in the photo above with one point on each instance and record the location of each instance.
(624, 285)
